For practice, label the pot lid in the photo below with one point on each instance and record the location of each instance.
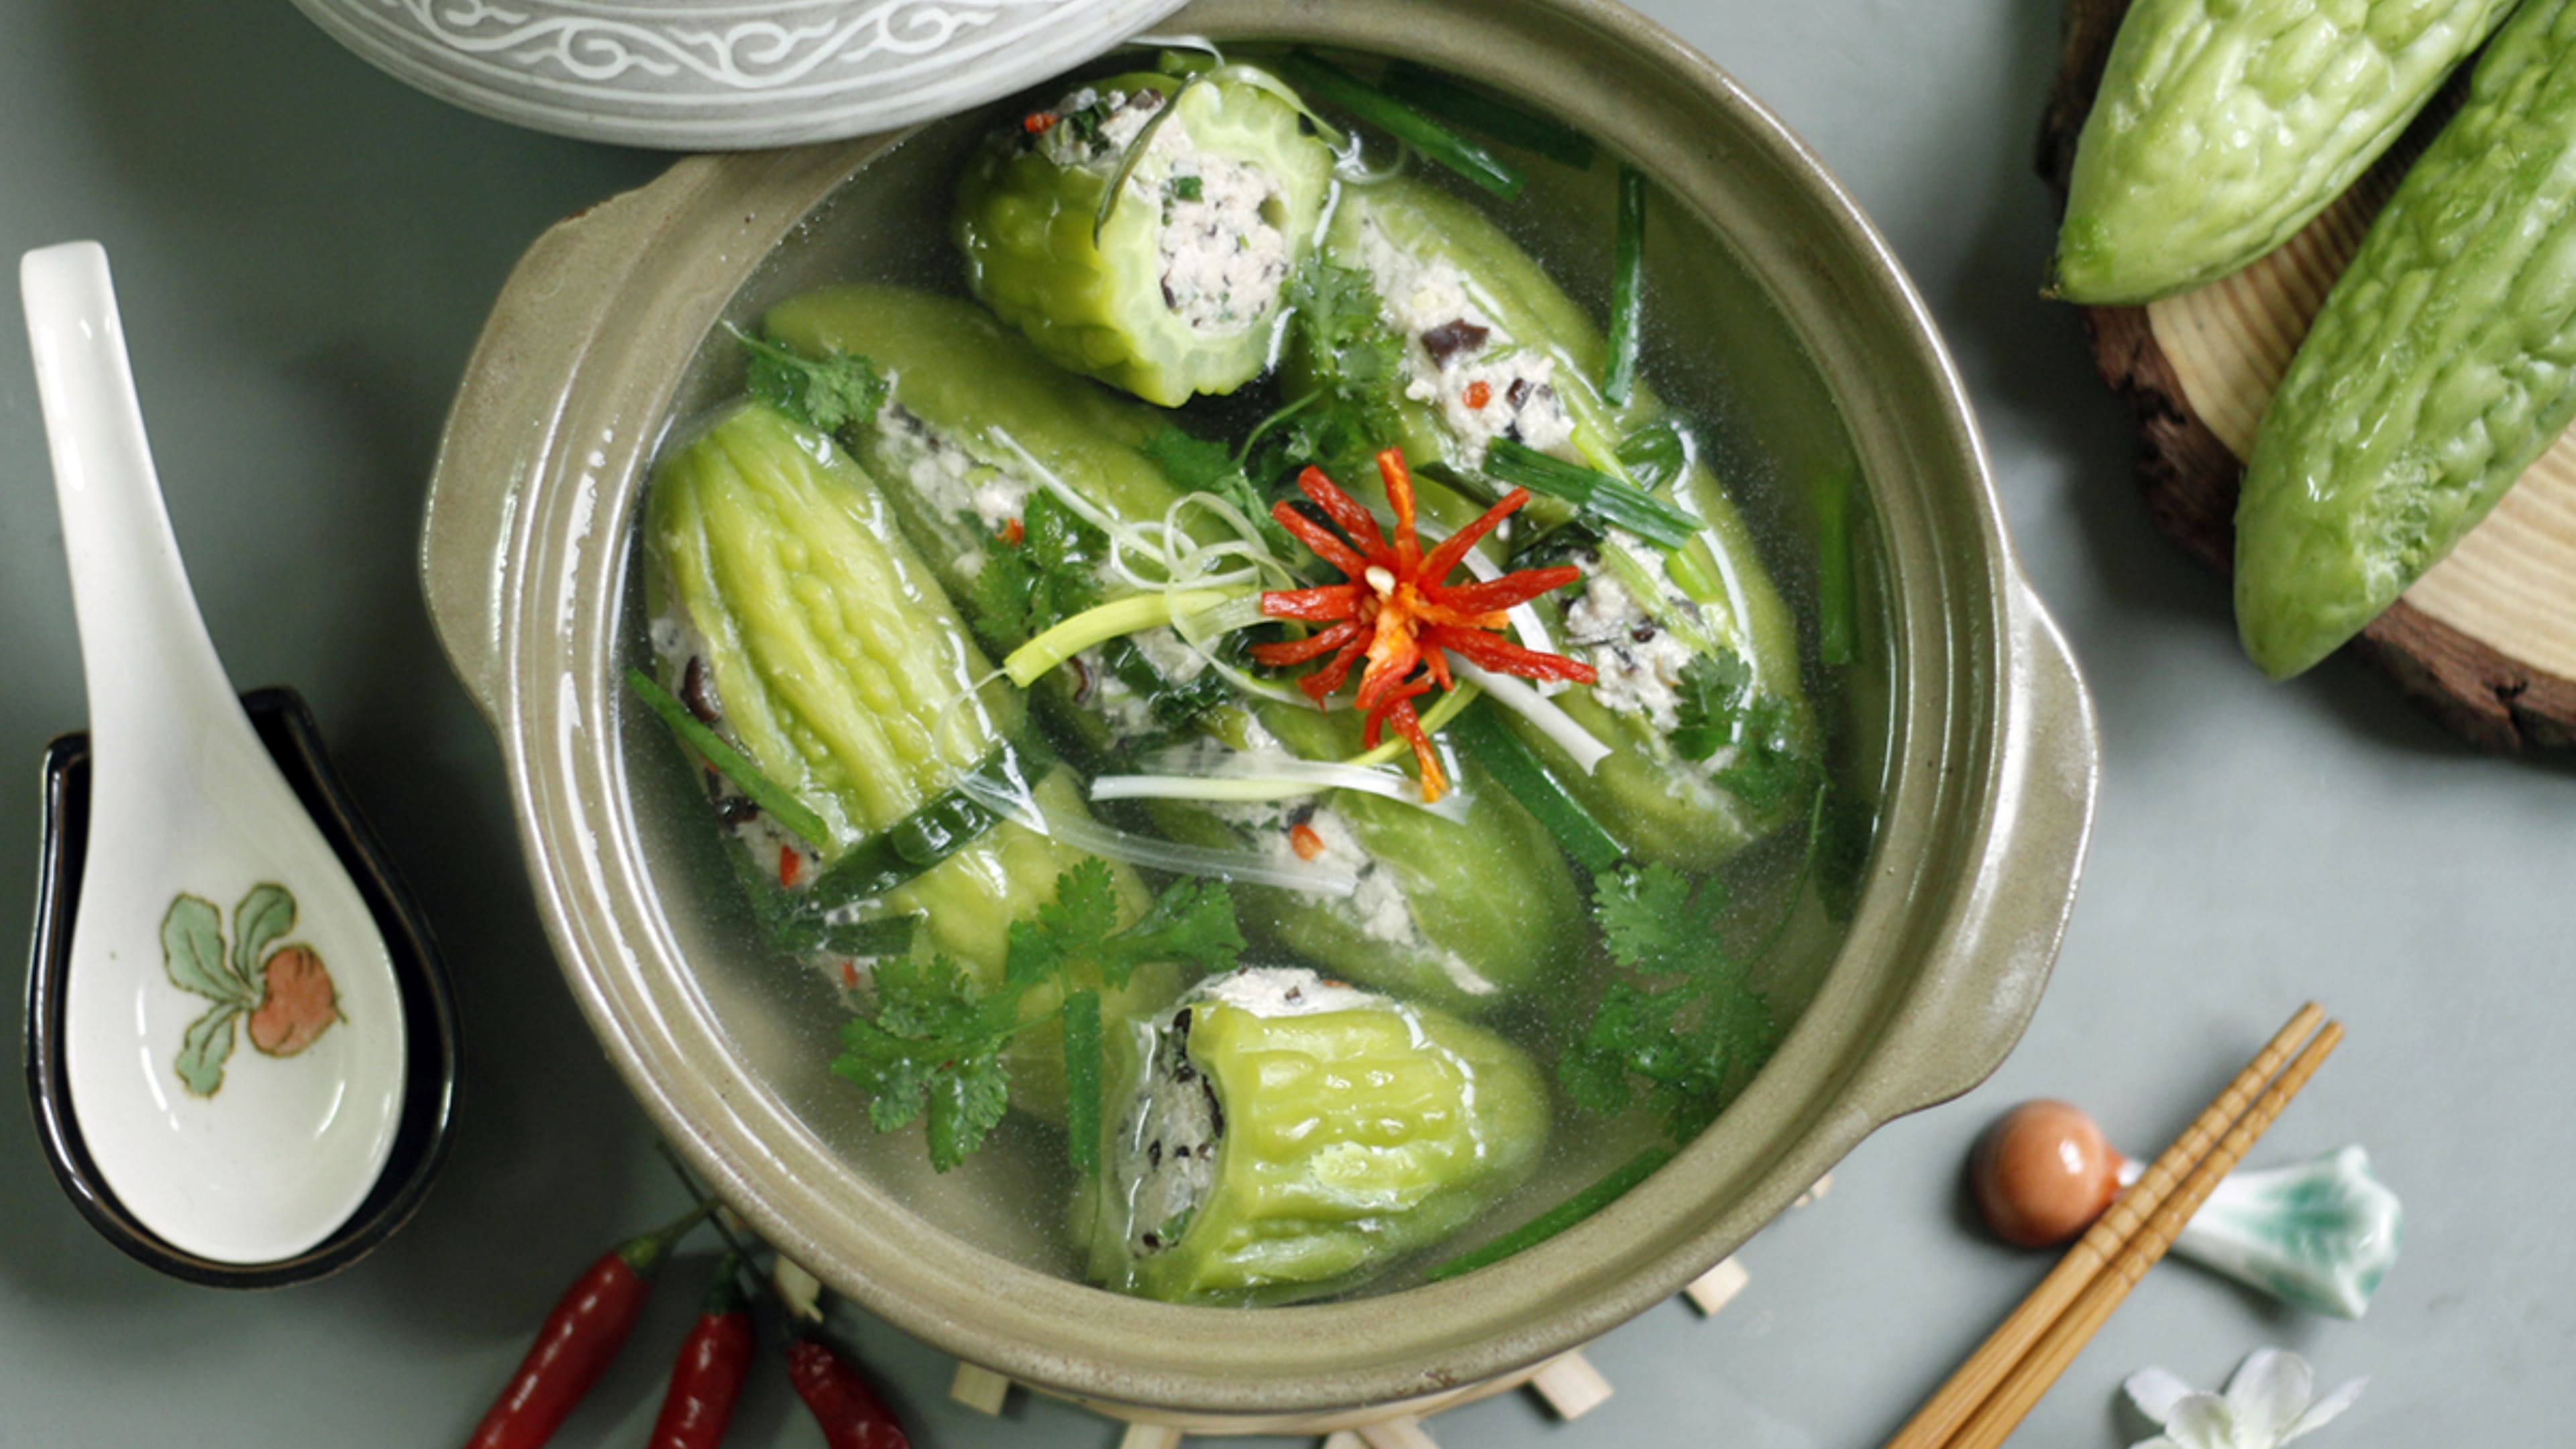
(726, 74)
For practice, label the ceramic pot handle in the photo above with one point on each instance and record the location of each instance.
(1977, 991)
(503, 423)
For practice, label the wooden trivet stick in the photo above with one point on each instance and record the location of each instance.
(2486, 639)
(1568, 1384)
(981, 1389)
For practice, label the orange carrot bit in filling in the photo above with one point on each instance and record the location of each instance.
(1399, 612)
(1013, 532)
(850, 974)
(1478, 393)
(1038, 123)
(790, 865)
(1303, 840)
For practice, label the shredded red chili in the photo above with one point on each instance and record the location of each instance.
(1399, 612)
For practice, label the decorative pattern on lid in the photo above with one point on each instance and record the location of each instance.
(726, 74)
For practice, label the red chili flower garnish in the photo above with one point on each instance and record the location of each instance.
(1399, 612)
(1478, 393)
(1038, 123)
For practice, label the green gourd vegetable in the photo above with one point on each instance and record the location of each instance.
(1491, 902)
(2223, 126)
(1470, 309)
(1279, 1137)
(842, 672)
(1468, 915)
(1173, 287)
(2437, 370)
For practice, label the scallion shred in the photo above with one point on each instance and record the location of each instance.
(1339, 87)
(781, 804)
(1627, 288)
(1606, 499)
(1450, 100)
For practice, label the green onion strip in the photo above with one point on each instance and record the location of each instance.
(1627, 288)
(781, 804)
(1429, 91)
(1340, 88)
(1527, 780)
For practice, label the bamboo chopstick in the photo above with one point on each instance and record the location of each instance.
(2137, 1214)
(2066, 1338)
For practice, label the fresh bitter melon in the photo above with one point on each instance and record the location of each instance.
(2443, 363)
(2223, 126)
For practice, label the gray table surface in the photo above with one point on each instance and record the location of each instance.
(305, 250)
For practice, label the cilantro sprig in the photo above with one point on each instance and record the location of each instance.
(1685, 1021)
(1721, 709)
(825, 393)
(933, 1051)
(1359, 361)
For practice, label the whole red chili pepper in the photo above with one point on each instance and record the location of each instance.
(713, 1362)
(589, 1324)
(851, 1414)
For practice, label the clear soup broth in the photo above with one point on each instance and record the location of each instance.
(1724, 363)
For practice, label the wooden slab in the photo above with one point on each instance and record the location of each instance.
(2486, 639)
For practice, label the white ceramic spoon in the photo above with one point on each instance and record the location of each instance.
(234, 1035)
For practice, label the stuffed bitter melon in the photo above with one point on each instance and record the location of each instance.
(2437, 370)
(837, 666)
(1279, 1137)
(962, 384)
(1467, 912)
(1492, 348)
(1173, 288)
(2220, 129)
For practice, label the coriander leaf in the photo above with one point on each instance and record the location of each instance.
(1359, 362)
(1715, 692)
(1191, 922)
(826, 393)
(929, 1000)
(1066, 931)
(1001, 594)
(965, 1104)
(884, 1065)
(933, 1049)
(1654, 924)
(1063, 553)
(1769, 766)
(1687, 1024)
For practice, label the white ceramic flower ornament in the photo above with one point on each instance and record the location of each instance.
(2269, 1402)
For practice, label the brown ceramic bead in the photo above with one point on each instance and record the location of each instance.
(2042, 1174)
